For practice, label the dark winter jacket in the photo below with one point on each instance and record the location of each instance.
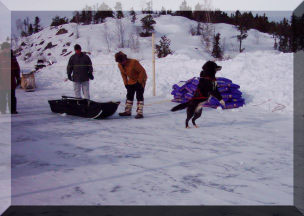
(79, 67)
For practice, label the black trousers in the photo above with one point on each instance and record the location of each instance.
(13, 107)
(4, 100)
(136, 88)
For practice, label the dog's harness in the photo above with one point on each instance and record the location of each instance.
(199, 97)
(198, 91)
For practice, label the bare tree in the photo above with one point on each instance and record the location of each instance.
(19, 25)
(257, 37)
(89, 47)
(120, 32)
(223, 47)
(118, 8)
(192, 30)
(76, 31)
(107, 37)
(206, 28)
(14, 42)
(133, 42)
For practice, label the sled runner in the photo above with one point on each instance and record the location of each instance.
(83, 107)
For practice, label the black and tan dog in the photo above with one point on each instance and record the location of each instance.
(207, 87)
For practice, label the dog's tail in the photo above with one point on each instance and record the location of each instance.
(179, 107)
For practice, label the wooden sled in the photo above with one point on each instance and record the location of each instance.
(28, 82)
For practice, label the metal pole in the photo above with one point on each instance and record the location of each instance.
(153, 63)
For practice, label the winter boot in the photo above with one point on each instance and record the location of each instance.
(140, 107)
(128, 109)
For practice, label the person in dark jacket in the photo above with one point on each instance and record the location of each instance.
(80, 71)
(134, 77)
(15, 81)
(7, 72)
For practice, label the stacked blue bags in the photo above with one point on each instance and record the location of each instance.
(184, 91)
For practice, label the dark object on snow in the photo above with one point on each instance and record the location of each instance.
(49, 46)
(62, 31)
(83, 107)
(40, 64)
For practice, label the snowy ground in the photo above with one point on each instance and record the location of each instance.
(236, 157)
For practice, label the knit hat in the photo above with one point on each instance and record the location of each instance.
(120, 57)
(77, 47)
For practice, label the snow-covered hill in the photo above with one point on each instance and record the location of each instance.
(236, 157)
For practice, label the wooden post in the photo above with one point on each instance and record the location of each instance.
(153, 63)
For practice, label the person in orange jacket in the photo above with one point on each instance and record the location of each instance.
(134, 77)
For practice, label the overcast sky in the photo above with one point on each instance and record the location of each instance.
(157, 4)
(47, 9)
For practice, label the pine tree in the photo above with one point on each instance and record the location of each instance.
(297, 33)
(103, 12)
(89, 16)
(198, 29)
(26, 23)
(118, 8)
(148, 9)
(83, 16)
(275, 45)
(185, 10)
(30, 29)
(75, 19)
(147, 25)
(57, 21)
(163, 48)
(217, 51)
(163, 11)
(285, 44)
(23, 33)
(37, 27)
(133, 15)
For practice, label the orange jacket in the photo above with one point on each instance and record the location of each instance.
(133, 72)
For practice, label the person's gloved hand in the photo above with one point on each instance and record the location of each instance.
(222, 102)
(18, 82)
(91, 77)
(70, 77)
